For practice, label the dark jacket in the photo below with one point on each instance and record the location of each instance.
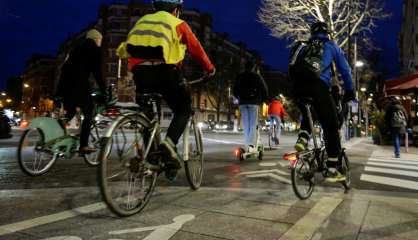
(250, 88)
(83, 61)
(391, 108)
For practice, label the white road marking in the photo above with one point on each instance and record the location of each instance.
(400, 166)
(19, 226)
(306, 226)
(390, 181)
(63, 238)
(264, 171)
(271, 175)
(392, 171)
(397, 160)
(162, 232)
(223, 141)
(268, 164)
(351, 143)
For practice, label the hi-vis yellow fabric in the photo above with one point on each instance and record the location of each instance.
(156, 30)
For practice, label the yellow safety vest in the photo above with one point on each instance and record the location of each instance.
(156, 30)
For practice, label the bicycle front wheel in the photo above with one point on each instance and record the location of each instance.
(194, 165)
(302, 175)
(94, 141)
(33, 158)
(125, 181)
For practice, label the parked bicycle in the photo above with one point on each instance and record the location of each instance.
(305, 165)
(130, 159)
(46, 140)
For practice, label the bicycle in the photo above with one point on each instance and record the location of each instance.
(130, 159)
(305, 165)
(272, 133)
(45, 140)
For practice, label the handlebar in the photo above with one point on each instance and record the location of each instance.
(185, 82)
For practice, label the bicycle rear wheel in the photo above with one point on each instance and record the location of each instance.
(94, 141)
(125, 180)
(194, 165)
(33, 159)
(346, 171)
(302, 175)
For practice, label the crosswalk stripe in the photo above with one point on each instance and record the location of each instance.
(400, 166)
(265, 171)
(272, 175)
(390, 181)
(394, 159)
(406, 163)
(392, 171)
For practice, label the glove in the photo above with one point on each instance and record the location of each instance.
(349, 96)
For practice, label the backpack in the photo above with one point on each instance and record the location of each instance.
(398, 119)
(249, 88)
(306, 58)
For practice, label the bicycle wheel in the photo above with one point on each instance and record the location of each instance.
(346, 171)
(94, 141)
(125, 181)
(194, 166)
(33, 159)
(302, 175)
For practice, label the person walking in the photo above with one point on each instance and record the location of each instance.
(396, 119)
(251, 91)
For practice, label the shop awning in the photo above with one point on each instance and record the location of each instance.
(402, 84)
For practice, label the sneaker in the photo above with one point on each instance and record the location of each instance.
(301, 144)
(251, 149)
(334, 176)
(171, 159)
(397, 156)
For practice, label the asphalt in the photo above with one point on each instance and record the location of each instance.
(238, 200)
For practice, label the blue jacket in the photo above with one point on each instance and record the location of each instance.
(333, 53)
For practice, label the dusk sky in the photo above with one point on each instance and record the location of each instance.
(30, 26)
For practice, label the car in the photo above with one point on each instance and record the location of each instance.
(224, 125)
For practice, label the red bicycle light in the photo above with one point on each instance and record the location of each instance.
(237, 152)
(24, 124)
(290, 157)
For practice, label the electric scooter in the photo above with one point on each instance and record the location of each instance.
(258, 152)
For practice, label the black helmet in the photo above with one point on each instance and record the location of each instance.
(319, 27)
(167, 5)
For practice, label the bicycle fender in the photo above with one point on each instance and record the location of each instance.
(49, 126)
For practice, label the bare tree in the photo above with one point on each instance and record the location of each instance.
(291, 19)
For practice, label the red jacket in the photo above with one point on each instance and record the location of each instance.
(193, 46)
(276, 108)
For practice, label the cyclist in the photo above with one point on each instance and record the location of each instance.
(310, 69)
(276, 114)
(155, 49)
(74, 86)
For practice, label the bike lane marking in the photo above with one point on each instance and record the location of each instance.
(26, 224)
(308, 224)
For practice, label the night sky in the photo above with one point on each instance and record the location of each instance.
(30, 26)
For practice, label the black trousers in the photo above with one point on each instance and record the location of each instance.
(324, 110)
(87, 109)
(165, 80)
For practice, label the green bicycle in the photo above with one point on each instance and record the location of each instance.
(45, 141)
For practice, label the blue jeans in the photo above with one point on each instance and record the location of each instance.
(278, 121)
(396, 137)
(249, 115)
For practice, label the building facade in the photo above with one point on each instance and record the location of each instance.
(38, 83)
(408, 38)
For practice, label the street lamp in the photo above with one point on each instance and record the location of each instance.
(3, 94)
(26, 85)
(8, 100)
(363, 89)
(359, 64)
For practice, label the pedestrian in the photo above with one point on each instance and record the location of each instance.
(396, 120)
(251, 91)
(276, 114)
